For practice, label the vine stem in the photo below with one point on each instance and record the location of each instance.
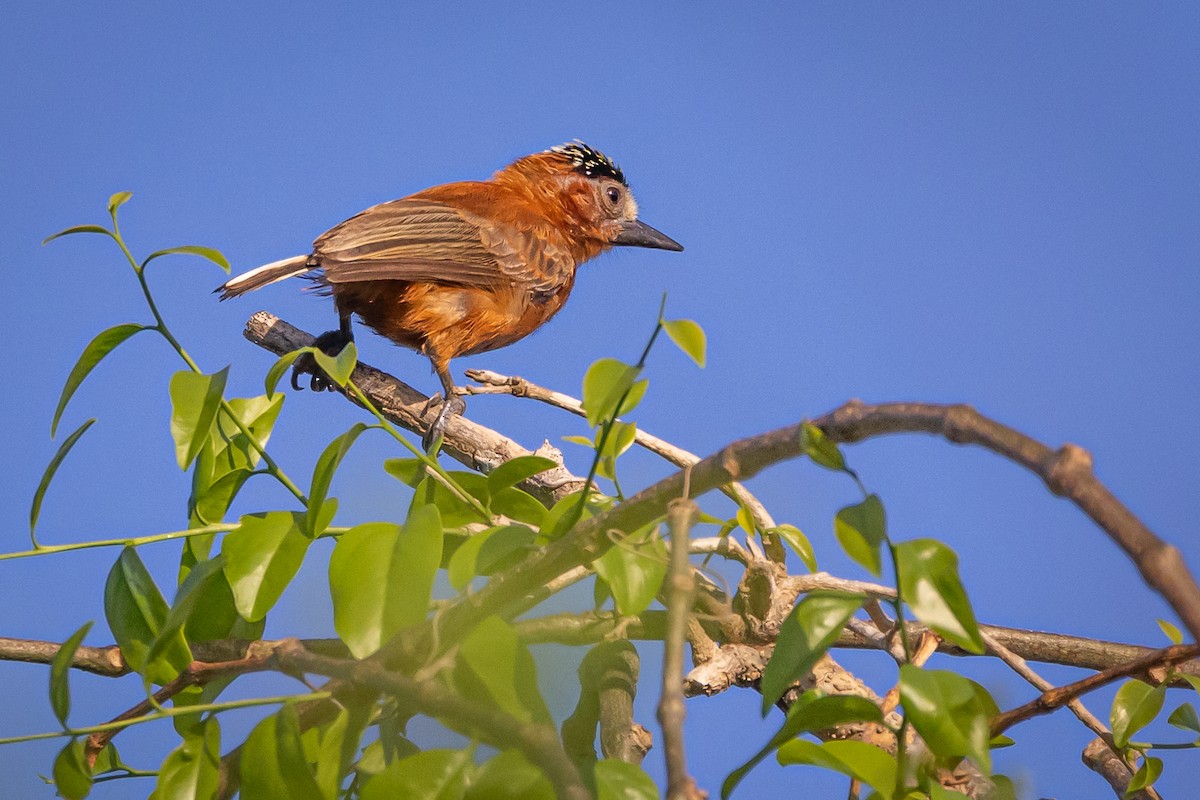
(160, 326)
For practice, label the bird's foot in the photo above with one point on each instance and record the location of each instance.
(331, 343)
(450, 407)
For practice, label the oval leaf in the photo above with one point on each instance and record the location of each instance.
(509, 776)
(949, 711)
(818, 447)
(339, 368)
(515, 470)
(192, 770)
(429, 775)
(326, 466)
(195, 399)
(72, 778)
(97, 349)
(604, 385)
(1136, 704)
(859, 760)
(275, 373)
(60, 667)
(273, 764)
(212, 254)
(689, 337)
(929, 583)
(117, 200)
(620, 780)
(262, 555)
(860, 530)
(809, 630)
(136, 611)
(78, 229)
(799, 543)
(634, 569)
(35, 510)
(381, 578)
(502, 672)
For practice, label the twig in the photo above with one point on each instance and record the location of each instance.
(680, 589)
(495, 383)
(1066, 471)
(1057, 697)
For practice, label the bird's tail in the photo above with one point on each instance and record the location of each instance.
(261, 276)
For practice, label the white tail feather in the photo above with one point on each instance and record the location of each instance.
(264, 275)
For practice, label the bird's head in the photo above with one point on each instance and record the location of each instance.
(590, 192)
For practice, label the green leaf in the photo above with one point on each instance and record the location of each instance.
(516, 470)
(258, 414)
(381, 578)
(818, 447)
(116, 201)
(60, 667)
(620, 780)
(509, 776)
(798, 542)
(929, 583)
(135, 611)
(455, 510)
(339, 368)
(1149, 772)
(689, 337)
(72, 778)
(1185, 717)
(36, 509)
(326, 466)
(810, 713)
(519, 505)
(860, 530)
(262, 555)
(859, 760)
(605, 383)
(634, 569)
(409, 471)
(430, 775)
(192, 770)
(950, 712)
(621, 436)
(209, 253)
(807, 632)
(1136, 704)
(1173, 633)
(278, 369)
(195, 400)
(78, 229)
(192, 589)
(501, 672)
(104, 343)
(273, 764)
(483, 550)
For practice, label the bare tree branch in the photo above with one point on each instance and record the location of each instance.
(680, 589)
(1058, 697)
(1066, 471)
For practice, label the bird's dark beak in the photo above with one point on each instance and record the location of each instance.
(639, 234)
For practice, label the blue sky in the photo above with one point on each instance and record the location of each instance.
(993, 205)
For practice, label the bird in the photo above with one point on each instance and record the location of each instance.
(466, 267)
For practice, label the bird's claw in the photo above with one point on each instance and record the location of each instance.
(452, 406)
(331, 343)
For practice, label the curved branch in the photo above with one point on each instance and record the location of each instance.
(1066, 471)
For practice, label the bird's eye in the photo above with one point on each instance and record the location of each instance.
(614, 195)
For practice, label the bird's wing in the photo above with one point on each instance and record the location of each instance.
(418, 239)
